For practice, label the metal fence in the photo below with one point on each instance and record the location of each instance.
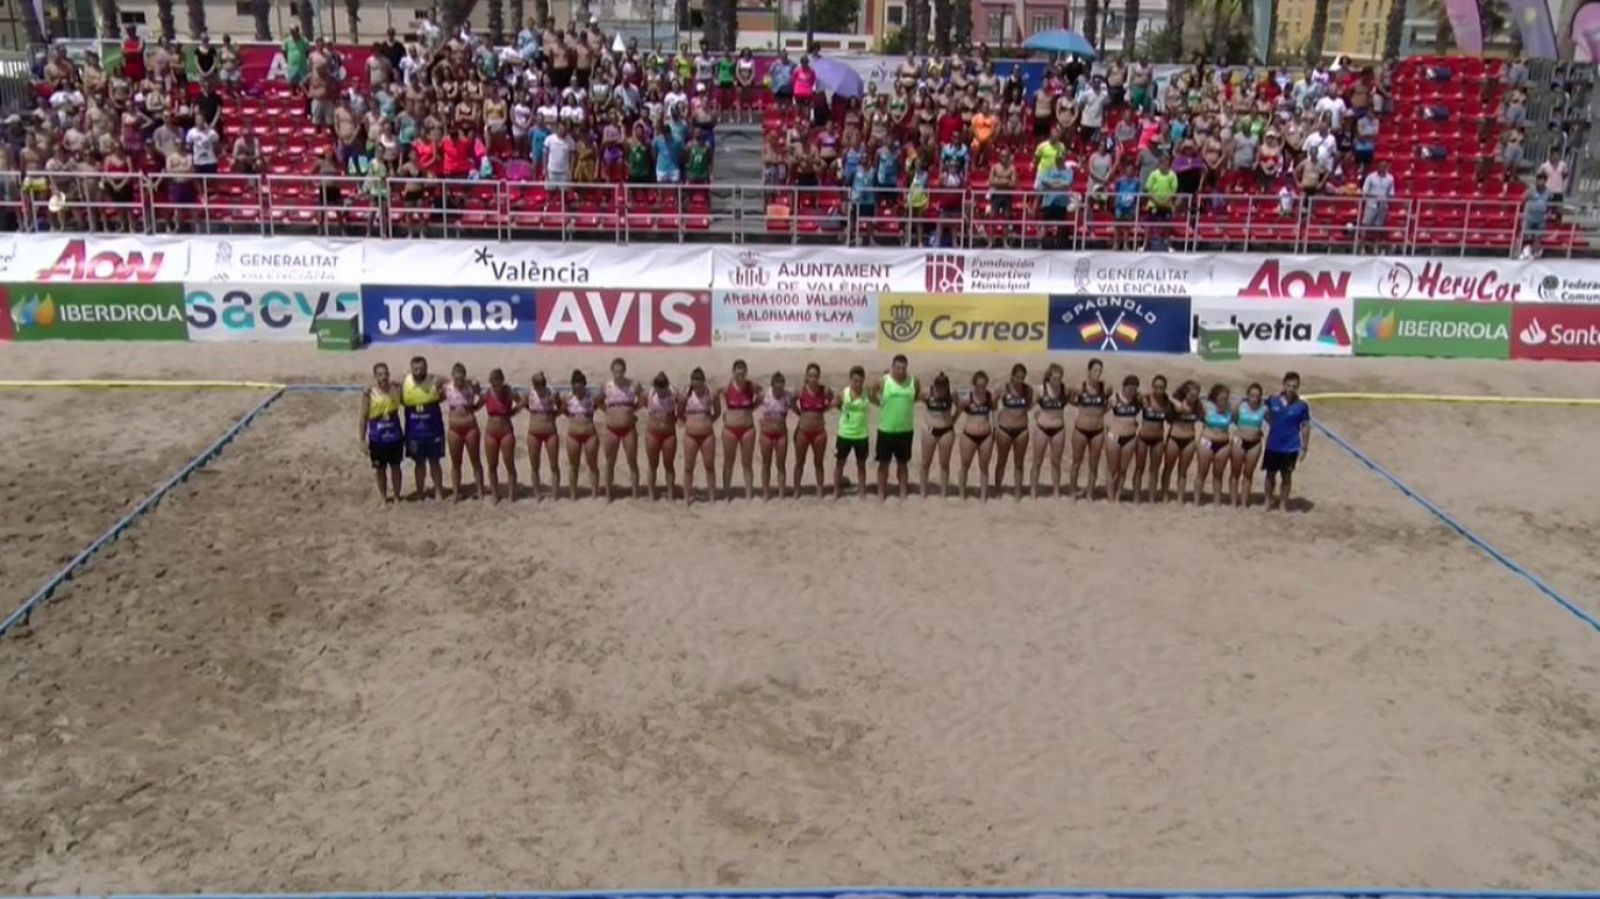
(337, 206)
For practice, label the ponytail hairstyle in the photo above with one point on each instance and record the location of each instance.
(941, 385)
(579, 379)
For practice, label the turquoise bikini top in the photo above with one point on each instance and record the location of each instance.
(1217, 419)
(1252, 419)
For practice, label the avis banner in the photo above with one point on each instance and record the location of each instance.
(553, 265)
(274, 260)
(626, 318)
(100, 260)
(263, 313)
(1286, 327)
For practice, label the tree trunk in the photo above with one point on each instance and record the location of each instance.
(941, 27)
(541, 12)
(308, 20)
(352, 18)
(166, 19)
(197, 17)
(916, 27)
(1091, 23)
(517, 12)
(1319, 32)
(730, 24)
(1130, 29)
(261, 11)
(497, 22)
(1178, 18)
(31, 24)
(110, 19)
(963, 25)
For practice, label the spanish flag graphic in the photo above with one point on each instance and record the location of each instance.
(1127, 332)
(1091, 331)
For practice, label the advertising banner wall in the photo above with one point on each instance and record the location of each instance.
(1108, 324)
(96, 312)
(1421, 328)
(664, 318)
(417, 314)
(1129, 274)
(817, 270)
(101, 260)
(275, 260)
(763, 318)
(7, 326)
(1282, 328)
(962, 322)
(1570, 332)
(1562, 281)
(461, 262)
(263, 312)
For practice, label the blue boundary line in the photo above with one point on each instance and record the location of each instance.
(1449, 521)
(906, 892)
(110, 536)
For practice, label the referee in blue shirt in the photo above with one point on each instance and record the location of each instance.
(1288, 433)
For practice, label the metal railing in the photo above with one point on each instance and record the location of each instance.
(972, 217)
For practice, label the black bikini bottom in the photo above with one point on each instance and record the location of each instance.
(1014, 433)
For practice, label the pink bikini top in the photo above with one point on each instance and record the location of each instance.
(618, 396)
(694, 403)
(457, 399)
(663, 405)
(776, 406)
(580, 406)
(540, 405)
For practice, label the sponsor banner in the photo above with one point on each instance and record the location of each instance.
(7, 326)
(1130, 274)
(263, 312)
(995, 271)
(1562, 281)
(461, 262)
(1469, 280)
(1291, 278)
(1109, 323)
(419, 314)
(100, 260)
(1284, 328)
(628, 318)
(1547, 331)
(772, 318)
(962, 322)
(96, 312)
(816, 270)
(263, 260)
(1424, 328)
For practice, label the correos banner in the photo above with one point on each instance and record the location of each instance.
(1285, 327)
(267, 313)
(409, 313)
(1423, 328)
(963, 322)
(96, 312)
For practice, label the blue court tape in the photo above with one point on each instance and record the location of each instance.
(896, 892)
(144, 506)
(1488, 549)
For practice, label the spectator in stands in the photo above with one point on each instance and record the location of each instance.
(203, 142)
(296, 56)
(1055, 188)
(1376, 190)
(779, 78)
(1554, 173)
(1535, 216)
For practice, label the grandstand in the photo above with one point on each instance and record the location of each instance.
(1442, 129)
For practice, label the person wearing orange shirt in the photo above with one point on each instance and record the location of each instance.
(984, 124)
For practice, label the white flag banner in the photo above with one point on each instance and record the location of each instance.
(488, 264)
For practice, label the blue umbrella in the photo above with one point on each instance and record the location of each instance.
(836, 78)
(1060, 40)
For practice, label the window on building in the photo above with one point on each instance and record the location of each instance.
(895, 15)
(997, 26)
(131, 18)
(1041, 23)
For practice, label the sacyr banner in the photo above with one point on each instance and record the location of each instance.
(962, 322)
(263, 312)
(1286, 327)
(96, 312)
(1423, 328)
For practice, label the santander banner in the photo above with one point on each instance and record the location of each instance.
(625, 318)
(1568, 332)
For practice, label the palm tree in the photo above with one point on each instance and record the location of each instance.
(1091, 23)
(166, 20)
(261, 10)
(1319, 32)
(197, 17)
(352, 17)
(497, 22)
(1130, 27)
(941, 27)
(917, 26)
(1178, 17)
(963, 25)
(1394, 29)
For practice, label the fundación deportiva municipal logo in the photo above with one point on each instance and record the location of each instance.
(902, 326)
(944, 273)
